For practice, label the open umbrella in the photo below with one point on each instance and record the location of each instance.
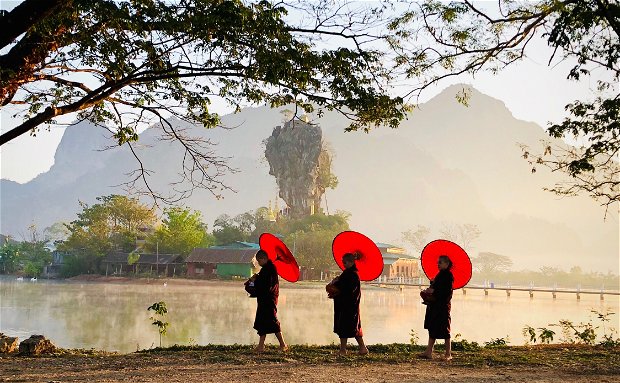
(370, 262)
(281, 256)
(461, 264)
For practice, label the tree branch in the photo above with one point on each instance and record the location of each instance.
(25, 16)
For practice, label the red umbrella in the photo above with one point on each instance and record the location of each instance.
(370, 263)
(461, 264)
(281, 256)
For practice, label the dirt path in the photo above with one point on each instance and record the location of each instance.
(190, 367)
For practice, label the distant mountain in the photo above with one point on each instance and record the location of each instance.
(446, 163)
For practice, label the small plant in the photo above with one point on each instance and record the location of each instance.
(160, 310)
(581, 333)
(603, 317)
(497, 342)
(587, 334)
(459, 344)
(546, 335)
(531, 332)
(609, 341)
(567, 332)
(413, 337)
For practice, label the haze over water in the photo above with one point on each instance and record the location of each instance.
(114, 316)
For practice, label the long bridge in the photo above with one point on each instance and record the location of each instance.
(400, 283)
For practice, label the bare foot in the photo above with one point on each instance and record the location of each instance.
(340, 353)
(425, 356)
(363, 351)
(447, 358)
(284, 348)
(259, 349)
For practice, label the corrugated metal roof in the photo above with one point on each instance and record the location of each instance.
(393, 252)
(221, 255)
(148, 259)
(238, 245)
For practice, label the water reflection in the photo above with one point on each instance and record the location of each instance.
(114, 316)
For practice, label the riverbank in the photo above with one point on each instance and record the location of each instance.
(385, 363)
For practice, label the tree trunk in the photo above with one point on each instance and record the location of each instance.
(25, 16)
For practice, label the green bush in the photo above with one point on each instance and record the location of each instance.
(459, 344)
(497, 342)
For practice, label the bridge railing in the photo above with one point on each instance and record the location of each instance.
(507, 287)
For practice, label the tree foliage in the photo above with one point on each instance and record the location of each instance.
(246, 226)
(113, 224)
(465, 235)
(227, 229)
(124, 64)
(417, 238)
(57, 232)
(488, 263)
(28, 257)
(34, 257)
(435, 40)
(180, 232)
(9, 257)
(311, 239)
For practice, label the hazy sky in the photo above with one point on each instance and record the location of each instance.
(531, 89)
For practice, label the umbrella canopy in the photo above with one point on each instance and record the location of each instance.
(281, 256)
(461, 264)
(370, 262)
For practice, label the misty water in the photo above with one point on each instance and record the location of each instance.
(114, 316)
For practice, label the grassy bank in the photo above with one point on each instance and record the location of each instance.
(572, 356)
(393, 363)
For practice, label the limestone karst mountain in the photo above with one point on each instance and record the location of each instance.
(446, 163)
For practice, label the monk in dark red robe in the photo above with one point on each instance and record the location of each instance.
(347, 322)
(267, 288)
(437, 319)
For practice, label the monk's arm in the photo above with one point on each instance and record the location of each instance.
(442, 288)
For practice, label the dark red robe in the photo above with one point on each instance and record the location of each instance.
(267, 291)
(437, 319)
(347, 322)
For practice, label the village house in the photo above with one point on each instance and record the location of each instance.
(58, 260)
(227, 261)
(397, 263)
(135, 263)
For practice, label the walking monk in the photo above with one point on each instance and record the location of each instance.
(346, 293)
(438, 300)
(267, 288)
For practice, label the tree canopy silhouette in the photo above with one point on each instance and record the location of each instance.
(123, 64)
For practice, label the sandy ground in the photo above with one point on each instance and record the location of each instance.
(196, 367)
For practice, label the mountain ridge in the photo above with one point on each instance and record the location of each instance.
(446, 163)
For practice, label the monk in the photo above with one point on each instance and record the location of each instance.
(267, 288)
(437, 319)
(346, 293)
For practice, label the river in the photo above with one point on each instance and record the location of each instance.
(114, 316)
